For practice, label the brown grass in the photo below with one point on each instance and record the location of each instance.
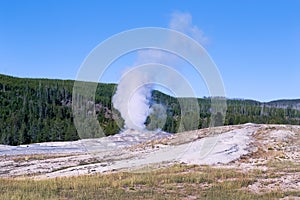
(175, 182)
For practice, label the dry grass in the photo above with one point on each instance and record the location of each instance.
(176, 182)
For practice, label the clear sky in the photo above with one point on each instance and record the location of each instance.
(255, 44)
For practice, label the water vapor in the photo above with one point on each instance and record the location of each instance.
(133, 95)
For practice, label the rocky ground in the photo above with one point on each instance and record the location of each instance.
(273, 150)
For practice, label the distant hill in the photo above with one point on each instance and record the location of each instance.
(287, 104)
(39, 110)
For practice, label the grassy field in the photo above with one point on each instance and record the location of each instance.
(176, 182)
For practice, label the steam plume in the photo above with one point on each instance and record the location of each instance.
(133, 95)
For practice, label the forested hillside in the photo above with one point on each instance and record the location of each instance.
(39, 110)
(239, 111)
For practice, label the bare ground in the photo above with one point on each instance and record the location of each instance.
(273, 150)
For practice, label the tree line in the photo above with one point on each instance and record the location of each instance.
(40, 110)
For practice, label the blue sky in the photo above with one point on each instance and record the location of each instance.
(255, 44)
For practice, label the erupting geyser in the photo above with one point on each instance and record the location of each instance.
(132, 99)
(133, 95)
